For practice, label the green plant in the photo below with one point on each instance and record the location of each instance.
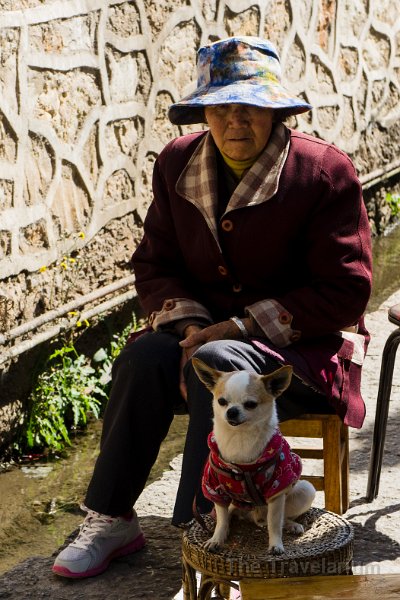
(394, 203)
(104, 357)
(66, 392)
(69, 388)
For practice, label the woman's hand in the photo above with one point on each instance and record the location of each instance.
(195, 337)
(226, 330)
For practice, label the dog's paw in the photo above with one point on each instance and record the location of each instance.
(293, 527)
(213, 544)
(277, 549)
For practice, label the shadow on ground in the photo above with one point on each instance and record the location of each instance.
(371, 544)
(360, 456)
(154, 573)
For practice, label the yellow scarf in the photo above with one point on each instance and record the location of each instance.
(238, 167)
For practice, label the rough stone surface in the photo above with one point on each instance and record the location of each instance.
(155, 572)
(84, 91)
(85, 88)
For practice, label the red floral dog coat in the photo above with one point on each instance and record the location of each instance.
(252, 484)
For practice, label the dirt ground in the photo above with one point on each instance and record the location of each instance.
(155, 572)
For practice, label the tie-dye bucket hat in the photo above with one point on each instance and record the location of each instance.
(240, 70)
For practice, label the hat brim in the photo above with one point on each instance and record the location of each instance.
(190, 110)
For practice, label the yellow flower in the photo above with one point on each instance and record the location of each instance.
(64, 265)
(42, 269)
(81, 235)
(80, 324)
(72, 260)
(72, 313)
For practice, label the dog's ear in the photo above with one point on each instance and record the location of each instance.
(206, 374)
(277, 382)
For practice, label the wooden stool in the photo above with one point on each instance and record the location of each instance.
(356, 587)
(334, 453)
(325, 548)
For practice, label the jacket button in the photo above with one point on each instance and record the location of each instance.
(227, 225)
(169, 305)
(237, 288)
(296, 335)
(223, 270)
(284, 318)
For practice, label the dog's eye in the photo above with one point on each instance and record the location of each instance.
(250, 404)
(222, 402)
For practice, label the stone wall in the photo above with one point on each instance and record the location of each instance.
(84, 90)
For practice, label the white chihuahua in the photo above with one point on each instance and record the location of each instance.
(250, 464)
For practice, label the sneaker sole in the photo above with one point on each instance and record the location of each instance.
(134, 546)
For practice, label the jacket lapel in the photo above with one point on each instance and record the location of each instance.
(261, 182)
(198, 181)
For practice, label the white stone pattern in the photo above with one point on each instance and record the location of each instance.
(85, 86)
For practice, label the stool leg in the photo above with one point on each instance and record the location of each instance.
(332, 466)
(207, 585)
(345, 468)
(381, 415)
(189, 582)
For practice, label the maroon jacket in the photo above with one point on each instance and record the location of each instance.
(306, 249)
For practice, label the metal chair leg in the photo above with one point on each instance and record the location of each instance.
(381, 416)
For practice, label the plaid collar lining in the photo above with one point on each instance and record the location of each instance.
(198, 181)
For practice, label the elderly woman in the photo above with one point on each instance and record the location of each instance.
(256, 253)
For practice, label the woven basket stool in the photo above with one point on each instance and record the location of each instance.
(325, 548)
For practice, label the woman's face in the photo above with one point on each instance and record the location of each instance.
(240, 131)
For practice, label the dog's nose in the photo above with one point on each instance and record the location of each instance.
(232, 415)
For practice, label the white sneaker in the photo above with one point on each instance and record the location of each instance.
(101, 538)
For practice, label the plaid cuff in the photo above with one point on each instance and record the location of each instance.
(275, 322)
(174, 309)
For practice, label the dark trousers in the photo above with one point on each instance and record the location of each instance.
(141, 408)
